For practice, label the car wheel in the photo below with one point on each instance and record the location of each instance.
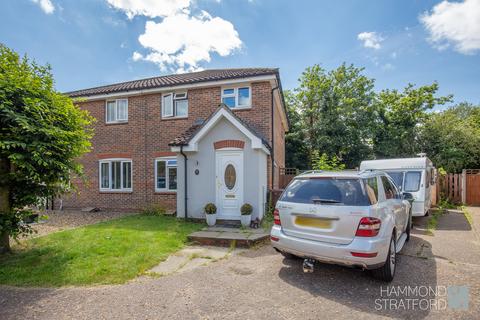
(409, 226)
(387, 272)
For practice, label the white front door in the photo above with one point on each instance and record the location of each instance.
(229, 183)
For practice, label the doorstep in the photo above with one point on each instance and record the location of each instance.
(225, 236)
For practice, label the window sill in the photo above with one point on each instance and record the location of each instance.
(165, 192)
(174, 118)
(240, 108)
(115, 191)
(115, 123)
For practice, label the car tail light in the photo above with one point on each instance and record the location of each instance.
(364, 254)
(274, 238)
(276, 217)
(368, 227)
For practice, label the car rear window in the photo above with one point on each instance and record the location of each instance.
(336, 191)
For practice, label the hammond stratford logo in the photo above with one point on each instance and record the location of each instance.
(458, 297)
(423, 298)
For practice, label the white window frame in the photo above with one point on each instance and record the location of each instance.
(167, 177)
(236, 96)
(175, 97)
(116, 120)
(110, 181)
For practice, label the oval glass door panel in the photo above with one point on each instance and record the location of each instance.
(230, 176)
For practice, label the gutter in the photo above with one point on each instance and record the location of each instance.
(272, 156)
(200, 84)
(185, 182)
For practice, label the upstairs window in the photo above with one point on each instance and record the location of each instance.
(117, 111)
(116, 175)
(237, 97)
(166, 174)
(175, 105)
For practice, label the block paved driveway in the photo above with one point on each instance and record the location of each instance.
(260, 284)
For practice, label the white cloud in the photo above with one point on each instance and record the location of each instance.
(151, 8)
(137, 56)
(45, 5)
(454, 23)
(182, 41)
(179, 41)
(370, 40)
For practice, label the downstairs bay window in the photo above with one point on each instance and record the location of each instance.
(116, 175)
(165, 174)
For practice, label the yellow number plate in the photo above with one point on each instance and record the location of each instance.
(313, 222)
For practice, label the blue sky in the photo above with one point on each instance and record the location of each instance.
(96, 42)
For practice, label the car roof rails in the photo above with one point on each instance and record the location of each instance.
(368, 170)
(310, 171)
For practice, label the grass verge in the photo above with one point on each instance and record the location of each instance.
(433, 221)
(468, 216)
(110, 252)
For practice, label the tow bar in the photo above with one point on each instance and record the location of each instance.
(308, 265)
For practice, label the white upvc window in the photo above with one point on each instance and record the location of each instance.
(116, 111)
(165, 174)
(115, 175)
(237, 97)
(175, 105)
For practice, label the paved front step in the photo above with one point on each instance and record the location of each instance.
(225, 236)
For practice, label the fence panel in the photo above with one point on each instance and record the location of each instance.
(472, 187)
(286, 175)
(450, 187)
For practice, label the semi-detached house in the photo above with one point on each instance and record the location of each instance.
(182, 141)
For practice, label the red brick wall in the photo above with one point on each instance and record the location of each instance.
(279, 140)
(229, 144)
(146, 136)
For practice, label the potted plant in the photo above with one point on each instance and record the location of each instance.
(246, 217)
(211, 214)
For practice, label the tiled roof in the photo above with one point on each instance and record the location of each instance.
(184, 138)
(174, 80)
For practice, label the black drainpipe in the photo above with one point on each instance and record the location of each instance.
(273, 140)
(185, 183)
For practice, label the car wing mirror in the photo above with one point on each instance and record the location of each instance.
(407, 196)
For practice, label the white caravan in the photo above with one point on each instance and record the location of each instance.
(412, 175)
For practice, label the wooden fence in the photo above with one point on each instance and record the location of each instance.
(472, 186)
(449, 187)
(460, 187)
(286, 175)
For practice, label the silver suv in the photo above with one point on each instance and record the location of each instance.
(358, 219)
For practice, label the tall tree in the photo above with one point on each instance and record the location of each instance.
(337, 112)
(451, 138)
(295, 148)
(400, 117)
(42, 133)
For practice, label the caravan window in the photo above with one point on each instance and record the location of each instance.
(412, 181)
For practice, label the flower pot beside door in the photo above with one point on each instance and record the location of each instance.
(246, 214)
(211, 214)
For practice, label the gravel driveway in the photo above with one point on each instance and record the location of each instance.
(260, 284)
